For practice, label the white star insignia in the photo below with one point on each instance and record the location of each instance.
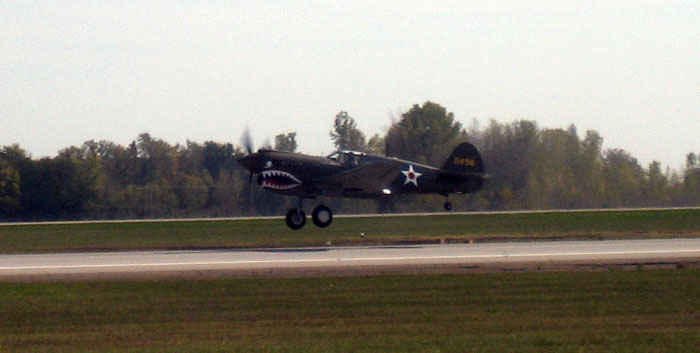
(411, 176)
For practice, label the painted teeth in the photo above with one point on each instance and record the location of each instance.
(278, 187)
(274, 173)
(290, 183)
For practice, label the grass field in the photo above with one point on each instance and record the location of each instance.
(637, 311)
(345, 231)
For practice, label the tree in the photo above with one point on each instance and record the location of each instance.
(76, 181)
(512, 150)
(190, 158)
(346, 135)
(426, 134)
(376, 145)
(217, 157)
(519, 161)
(624, 178)
(10, 196)
(691, 160)
(61, 187)
(157, 159)
(286, 142)
(656, 191)
(13, 161)
(555, 169)
(691, 180)
(590, 172)
(691, 187)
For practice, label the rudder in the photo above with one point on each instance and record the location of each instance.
(465, 159)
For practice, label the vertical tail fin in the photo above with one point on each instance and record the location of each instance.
(465, 159)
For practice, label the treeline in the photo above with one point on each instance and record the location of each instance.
(535, 168)
(529, 168)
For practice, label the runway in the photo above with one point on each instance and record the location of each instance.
(260, 261)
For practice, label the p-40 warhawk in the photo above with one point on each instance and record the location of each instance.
(360, 175)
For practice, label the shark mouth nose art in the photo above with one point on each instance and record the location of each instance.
(278, 180)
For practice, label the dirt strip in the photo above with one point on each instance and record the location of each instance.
(351, 271)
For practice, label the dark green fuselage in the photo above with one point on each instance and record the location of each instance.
(353, 174)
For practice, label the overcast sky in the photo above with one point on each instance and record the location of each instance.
(202, 70)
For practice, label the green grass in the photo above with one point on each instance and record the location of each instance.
(638, 311)
(263, 233)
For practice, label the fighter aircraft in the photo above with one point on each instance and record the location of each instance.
(359, 175)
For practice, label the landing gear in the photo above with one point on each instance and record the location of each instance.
(296, 218)
(448, 206)
(322, 216)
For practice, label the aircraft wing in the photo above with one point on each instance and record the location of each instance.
(370, 178)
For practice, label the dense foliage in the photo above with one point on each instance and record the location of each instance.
(529, 168)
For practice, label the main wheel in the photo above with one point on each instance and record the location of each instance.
(448, 206)
(296, 218)
(322, 216)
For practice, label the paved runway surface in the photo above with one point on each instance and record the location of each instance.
(115, 263)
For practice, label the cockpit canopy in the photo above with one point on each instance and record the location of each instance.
(348, 158)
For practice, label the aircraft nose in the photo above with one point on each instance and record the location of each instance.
(250, 162)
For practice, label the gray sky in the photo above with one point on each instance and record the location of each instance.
(202, 70)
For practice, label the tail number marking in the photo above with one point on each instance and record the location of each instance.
(465, 162)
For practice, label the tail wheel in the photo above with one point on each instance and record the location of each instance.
(296, 218)
(322, 216)
(448, 206)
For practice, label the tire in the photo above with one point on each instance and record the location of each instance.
(296, 219)
(322, 216)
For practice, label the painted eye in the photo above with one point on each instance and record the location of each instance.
(268, 164)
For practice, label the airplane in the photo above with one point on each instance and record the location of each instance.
(359, 175)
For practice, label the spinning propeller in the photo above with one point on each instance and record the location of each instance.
(247, 141)
(249, 160)
(252, 160)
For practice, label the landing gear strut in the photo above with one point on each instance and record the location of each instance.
(296, 218)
